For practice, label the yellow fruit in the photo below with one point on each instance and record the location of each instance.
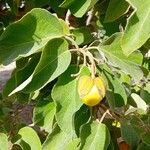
(85, 81)
(100, 85)
(91, 91)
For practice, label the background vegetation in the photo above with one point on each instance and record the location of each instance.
(53, 43)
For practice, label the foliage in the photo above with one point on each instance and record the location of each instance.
(53, 44)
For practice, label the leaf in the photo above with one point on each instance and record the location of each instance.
(115, 93)
(65, 26)
(22, 98)
(111, 146)
(102, 6)
(66, 3)
(34, 30)
(43, 114)
(73, 144)
(55, 7)
(143, 146)
(137, 122)
(21, 74)
(39, 3)
(116, 9)
(129, 134)
(146, 138)
(9, 86)
(1, 28)
(84, 71)
(128, 65)
(3, 142)
(141, 105)
(95, 136)
(29, 139)
(147, 44)
(83, 35)
(66, 96)
(81, 117)
(78, 8)
(21, 63)
(54, 61)
(145, 93)
(137, 30)
(57, 140)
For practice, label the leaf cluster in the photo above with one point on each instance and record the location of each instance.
(53, 43)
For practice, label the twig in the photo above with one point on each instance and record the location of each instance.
(103, 116)
(111, 112)
(89, 18)
(93, 65)
(85, 54)
(73, 42)
(93, 43)
(92, 47)
(100, 52)
(68, 14)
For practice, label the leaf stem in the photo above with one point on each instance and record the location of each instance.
(73, 42)
(85, 54)
(103, 116)
(89, 18)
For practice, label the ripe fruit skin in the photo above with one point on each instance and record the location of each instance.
(91, 91)
(100, 85)
(93, 97)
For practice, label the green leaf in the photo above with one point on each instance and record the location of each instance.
(1, 28)
(83, 35)
(29, 139)
(24, 73)
(145, 93)
(34, 30)
(147, 44)
(3, 142)
(94, 136)
(57, 140)
(115, 93)
(81, 117)
(22, 98)
(9, 86)
(115, 57)
(22, 62)
(129, 134)
(141, 105)
(116, 9)
(111, 146)
(21, 74)
(43, 114)
(143, 146)
(73, 144)
(65, 94)
(146, 138)
(54, 61)
(137, 30)
(102, 6)
(78, 8)
(55, 7)
(39, 3)
(136, 121)
(66, 3)
(65, 26)
(84, 71)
